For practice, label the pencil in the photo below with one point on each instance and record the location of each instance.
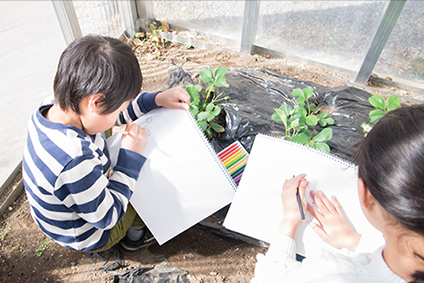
(121, 131)
(299, 202)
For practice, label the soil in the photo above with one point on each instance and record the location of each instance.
(27, 255)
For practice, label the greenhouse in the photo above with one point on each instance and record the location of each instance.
(345, 52)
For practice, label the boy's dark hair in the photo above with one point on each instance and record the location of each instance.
(95, 64)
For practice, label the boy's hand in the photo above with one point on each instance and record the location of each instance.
(291, 217)
(335, 229)
(173, 98)
(136, 138)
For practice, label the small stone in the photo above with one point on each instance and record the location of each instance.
(137, 41)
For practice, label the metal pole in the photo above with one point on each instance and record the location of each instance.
(129, 11)
(250, 22)
(145, 14)
(67, 19)
(381, 36)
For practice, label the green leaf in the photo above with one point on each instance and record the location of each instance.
(308, 92)
(325, 119)
(298, 92)
(294, 117)
(324, 136)
(322, 147)
(393, 102)
(220, 72)
(217, 109)
(210, 107)
(314, 108)
(312, 120)
(300, 138)
(282, 115)
(217, 128)
(203, 115)
(193, 91)
(324, 115)
(294, 123)
(276, 117)
(198, 87)
(329, 120)
(208, 133)
(300, 101)
(286, 108)
(377, 101)
(206, 75)
(307, 132)
(322, 122)
(220, 81)
(303, 106)
(300, 111)
(376, 115)
(193, 110)
(202, 124)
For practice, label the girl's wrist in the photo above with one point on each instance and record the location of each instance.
(288, 227)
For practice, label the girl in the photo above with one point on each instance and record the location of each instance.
(391, 191)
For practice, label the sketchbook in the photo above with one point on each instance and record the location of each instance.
(256, 210)
(182, 181)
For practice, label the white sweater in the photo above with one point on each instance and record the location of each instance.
(279, 265)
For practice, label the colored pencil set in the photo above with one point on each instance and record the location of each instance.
(234, 157)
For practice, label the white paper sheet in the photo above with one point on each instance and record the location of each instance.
(182, 181)
(256, 210)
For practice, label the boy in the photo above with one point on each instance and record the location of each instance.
(66, 160)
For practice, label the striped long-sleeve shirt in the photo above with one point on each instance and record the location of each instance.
(65, 172)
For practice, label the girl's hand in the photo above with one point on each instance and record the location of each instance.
(291, 217)
(173, 98)
(335, 229)
(136, 138)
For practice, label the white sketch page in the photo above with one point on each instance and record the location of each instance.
(182, 182)
(257, 211)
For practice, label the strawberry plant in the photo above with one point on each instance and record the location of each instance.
(296, 121)
(382, 107)
(203, 102)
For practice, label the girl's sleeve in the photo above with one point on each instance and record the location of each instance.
(143, 103)
(368, 244)
(271, 267)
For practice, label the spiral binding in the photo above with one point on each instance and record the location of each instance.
(212, 151)
(333, 157)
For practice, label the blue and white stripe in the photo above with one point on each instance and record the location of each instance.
(65, 172)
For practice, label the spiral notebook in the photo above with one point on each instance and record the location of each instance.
(183, 181)
(256, 210)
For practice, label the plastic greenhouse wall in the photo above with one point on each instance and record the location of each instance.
(28, 66)
(100, 17)
(333, 34)
(403, 56)
(31, 42)
(219, 20)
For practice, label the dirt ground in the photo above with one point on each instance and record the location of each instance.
(27, 255)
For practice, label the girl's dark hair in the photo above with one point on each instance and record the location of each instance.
(390, 161)
(95, 64)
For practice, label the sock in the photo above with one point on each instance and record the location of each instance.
(135, 233)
